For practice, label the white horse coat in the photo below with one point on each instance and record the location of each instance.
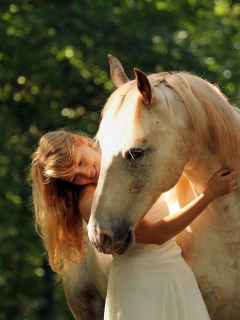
(153, 130)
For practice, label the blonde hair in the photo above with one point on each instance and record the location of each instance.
(55, 201)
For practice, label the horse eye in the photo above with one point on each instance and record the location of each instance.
(134, 153)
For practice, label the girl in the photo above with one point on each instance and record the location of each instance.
(150, 281)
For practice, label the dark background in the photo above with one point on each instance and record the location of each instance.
(54, 74)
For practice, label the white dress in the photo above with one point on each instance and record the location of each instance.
(151, 282)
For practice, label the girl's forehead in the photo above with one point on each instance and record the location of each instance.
(81, 150)
(77, 151)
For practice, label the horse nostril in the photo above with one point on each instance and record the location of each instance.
(105, 240)
(111, 241)
(105, 244)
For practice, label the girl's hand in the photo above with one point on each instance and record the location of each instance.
(222, 183)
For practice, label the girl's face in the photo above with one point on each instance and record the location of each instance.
(86, 167)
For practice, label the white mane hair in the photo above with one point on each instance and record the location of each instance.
(214, 120)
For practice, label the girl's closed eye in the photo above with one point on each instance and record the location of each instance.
(74, 178)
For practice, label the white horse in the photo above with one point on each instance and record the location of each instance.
(156, 130)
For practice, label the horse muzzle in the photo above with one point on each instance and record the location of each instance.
(109, 242)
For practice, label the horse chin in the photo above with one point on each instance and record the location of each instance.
(127, 243)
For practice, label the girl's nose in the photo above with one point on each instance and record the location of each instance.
(84, 172)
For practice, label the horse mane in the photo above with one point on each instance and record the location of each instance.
(215, 121)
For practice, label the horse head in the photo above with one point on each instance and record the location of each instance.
(143, 155)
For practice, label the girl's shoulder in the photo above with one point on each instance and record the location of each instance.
(87, 189)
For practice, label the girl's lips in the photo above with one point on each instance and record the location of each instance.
(95, 174)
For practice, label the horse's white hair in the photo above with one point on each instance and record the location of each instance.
(215, 121)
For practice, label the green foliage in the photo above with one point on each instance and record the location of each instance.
(54, 73)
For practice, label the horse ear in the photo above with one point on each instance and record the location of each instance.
(117, 73)
(143, 86)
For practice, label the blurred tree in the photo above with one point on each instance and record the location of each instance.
(54, 73)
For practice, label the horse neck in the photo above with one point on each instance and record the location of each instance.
(200, 168)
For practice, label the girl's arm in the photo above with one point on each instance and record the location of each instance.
(222, 183)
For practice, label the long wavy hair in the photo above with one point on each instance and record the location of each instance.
(55, 201)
